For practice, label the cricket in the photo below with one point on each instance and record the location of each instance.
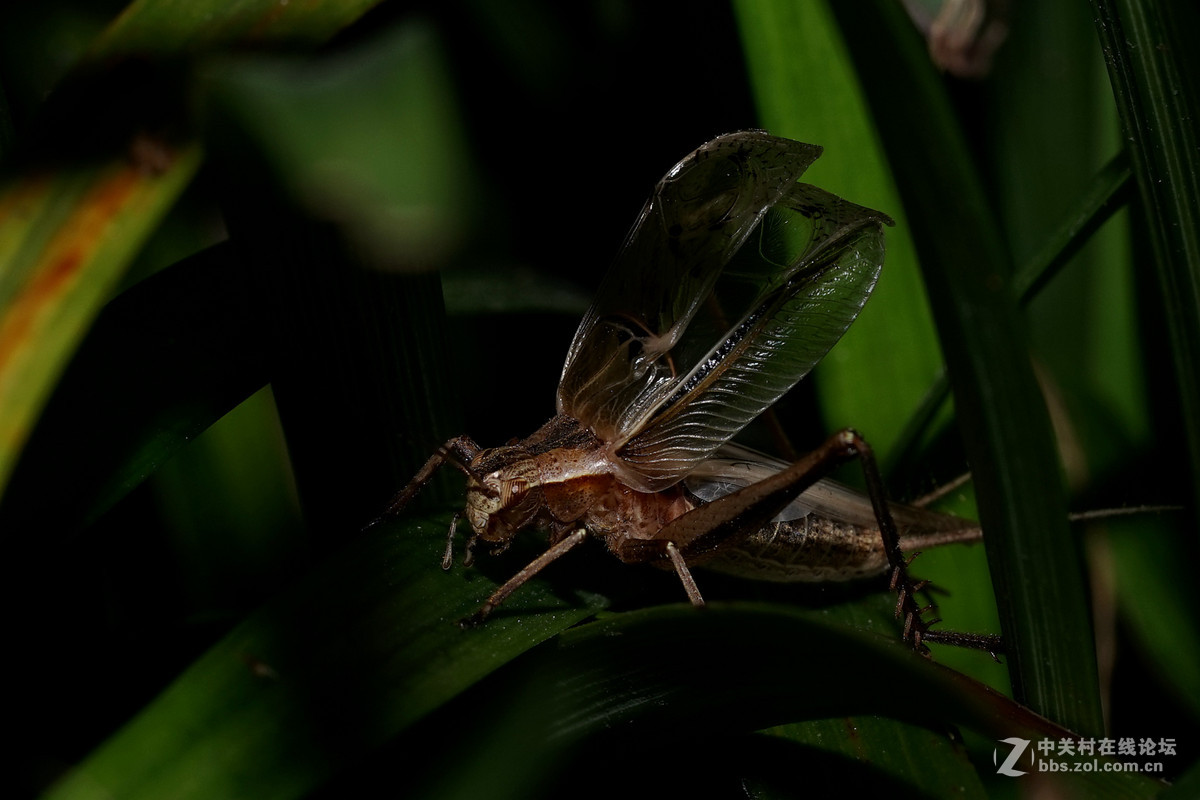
(735, 280)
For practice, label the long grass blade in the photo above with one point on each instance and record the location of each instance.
(74, 211)
(1144, 46)
(1006, 430)
(120, 418)
(361, 649)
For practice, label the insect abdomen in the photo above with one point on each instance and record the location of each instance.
(811, 549)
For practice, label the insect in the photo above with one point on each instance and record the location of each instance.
(660, 377)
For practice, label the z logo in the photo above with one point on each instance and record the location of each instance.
(1018, 748)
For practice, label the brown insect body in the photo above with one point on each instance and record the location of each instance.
(559, 479)
(817, 549)
(652, 391)
(830, 533)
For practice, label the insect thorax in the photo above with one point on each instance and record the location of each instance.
(560, 488)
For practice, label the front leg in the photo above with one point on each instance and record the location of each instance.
(459, 451)
(555, 552)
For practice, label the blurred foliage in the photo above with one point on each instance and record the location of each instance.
(225, 229)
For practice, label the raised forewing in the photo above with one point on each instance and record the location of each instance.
(822, 257)
(665, 388)
(623, 362)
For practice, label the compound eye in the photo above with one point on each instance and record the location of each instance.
(513, 488)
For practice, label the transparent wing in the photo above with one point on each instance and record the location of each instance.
(735, 466)
(625, 360)
(813, 265)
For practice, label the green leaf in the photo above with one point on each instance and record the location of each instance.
(359, 650)
(356, 678)
(917, 758)
(69, 228)
(1003, 419)
(1146, 46)
(174, 27)
(673, 680)
(1159, 600)
(368, 140)
(197, 323)
(340, 179)
(805, 88)
(1108, 193)
(65, 239)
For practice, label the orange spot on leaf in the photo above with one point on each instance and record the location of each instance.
(71, 248)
